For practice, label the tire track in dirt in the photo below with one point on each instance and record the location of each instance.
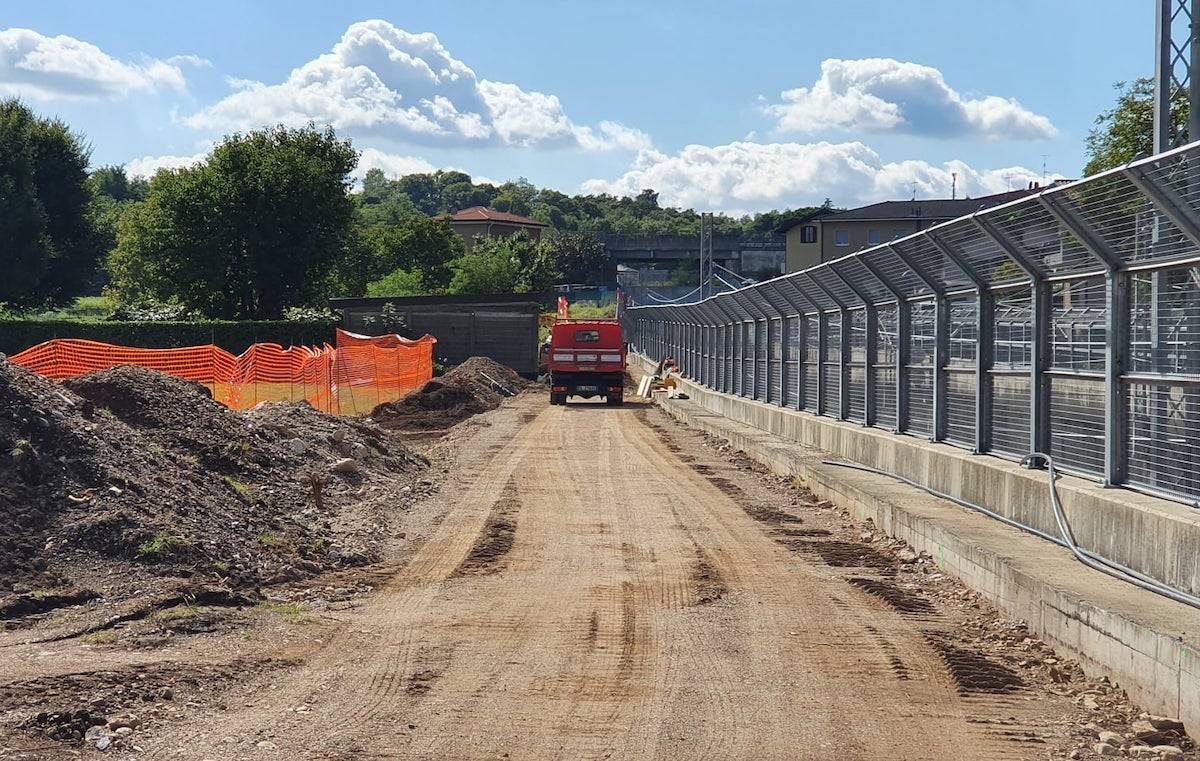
(360, 671)
(850, 628)
(596, 592)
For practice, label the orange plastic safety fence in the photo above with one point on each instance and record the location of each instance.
(351, 378)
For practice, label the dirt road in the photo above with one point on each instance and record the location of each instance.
(595, 594)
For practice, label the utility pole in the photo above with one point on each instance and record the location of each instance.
(706, 254)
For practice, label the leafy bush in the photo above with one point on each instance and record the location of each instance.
(312, 314)
(398, 283)
(388, 320)
(153, 311)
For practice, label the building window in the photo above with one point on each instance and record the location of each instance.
(841, 237)
(897, 234)
(808, 234)
(872, 237)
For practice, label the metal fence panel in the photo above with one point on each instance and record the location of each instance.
(761, 347)
(812, 363)
(831, 366)
(1068, 320)
(775, 363)
(792, 349)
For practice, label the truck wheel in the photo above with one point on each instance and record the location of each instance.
(615, 400)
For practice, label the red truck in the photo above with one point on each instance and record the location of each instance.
(586, 358)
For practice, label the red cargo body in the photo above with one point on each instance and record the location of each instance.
(587, 359)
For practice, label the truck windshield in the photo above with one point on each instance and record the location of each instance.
(587, 336)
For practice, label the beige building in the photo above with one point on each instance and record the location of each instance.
(480, 221)
(832, 234)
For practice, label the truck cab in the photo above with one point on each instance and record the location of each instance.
(586, 359)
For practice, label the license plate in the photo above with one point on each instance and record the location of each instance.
(587, 388)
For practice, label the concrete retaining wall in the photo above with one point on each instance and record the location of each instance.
(1145, 643)
(1155, 536)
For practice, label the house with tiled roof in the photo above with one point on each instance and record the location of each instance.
(832, 233)
(482, 222)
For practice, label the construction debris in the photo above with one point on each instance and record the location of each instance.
(477, 385)
(130, 483)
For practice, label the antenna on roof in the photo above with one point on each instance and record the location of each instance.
(954, 186)
(1044, 155)
(914, 184)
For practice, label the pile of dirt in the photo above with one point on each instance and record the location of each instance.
(131, 483)
(477, 385)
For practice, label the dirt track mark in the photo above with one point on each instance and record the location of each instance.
(903, 600)
(496, 539)
(430, 664)
(842, 554)
(971, 670)
(593, 630)
(790, 532)
(629, 629)
(895, 662)
(706, 581)
(729, 488)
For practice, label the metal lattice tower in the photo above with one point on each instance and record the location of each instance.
(1177, 47)
(706, 254)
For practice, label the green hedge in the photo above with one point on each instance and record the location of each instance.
(18, 335)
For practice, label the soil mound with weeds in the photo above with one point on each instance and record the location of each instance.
(129, 483)
(173, 408)
(477, 385)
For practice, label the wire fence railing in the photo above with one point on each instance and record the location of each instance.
(1065, 322)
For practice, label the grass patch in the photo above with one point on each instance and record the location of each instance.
(172, 615)
(100, 638)
(292, 612)
(83, 308)
(221, 567)
(798, 483)
(269, 539)
(237, 448)
(243, 490)
(161, 546)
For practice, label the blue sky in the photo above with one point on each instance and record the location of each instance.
(736, 107)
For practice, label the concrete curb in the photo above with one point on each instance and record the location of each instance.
(1145, 643)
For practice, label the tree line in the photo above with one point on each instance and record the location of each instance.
(271, 220)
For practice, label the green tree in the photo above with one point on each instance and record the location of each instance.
(685, 272)
(485, 270)
(111, 181)
(516, 264)
(258, 227)
(113, 195)
(580, 256)
(48, 246)
(1126, 131)
(398, 283)
(421, 245)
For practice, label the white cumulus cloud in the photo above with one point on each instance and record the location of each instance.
(147, 166)
(382, 80)
(886, 95)
(62, 67)
(390, 164)
(745, 177)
